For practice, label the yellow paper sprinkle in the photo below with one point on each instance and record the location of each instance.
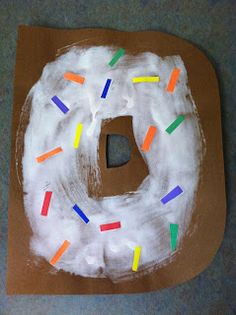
(145, 79)
(137, 252)
(78, 135)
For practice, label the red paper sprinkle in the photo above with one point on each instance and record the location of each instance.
(110, 226)
(46, 202)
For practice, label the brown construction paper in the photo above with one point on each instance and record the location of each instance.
(37, 46)
(127, 178)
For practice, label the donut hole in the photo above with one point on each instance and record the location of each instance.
(118, 150)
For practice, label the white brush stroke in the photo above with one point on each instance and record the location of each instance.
(173, 160)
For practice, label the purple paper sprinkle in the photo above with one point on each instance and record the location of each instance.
(172, 194)
(60, 104)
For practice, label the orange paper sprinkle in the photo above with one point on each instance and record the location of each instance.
(173, 80)
(47, 155)
(60, 252)
(149, 138)
(74, 77)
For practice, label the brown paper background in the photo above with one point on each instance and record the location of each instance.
(124, 179)
(36, 46)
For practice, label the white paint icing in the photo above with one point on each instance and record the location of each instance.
(173, 160)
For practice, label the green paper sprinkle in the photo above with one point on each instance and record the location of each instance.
(120, 52)
(173, 235)
(175, 124)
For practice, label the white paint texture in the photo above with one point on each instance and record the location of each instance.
(173, 160)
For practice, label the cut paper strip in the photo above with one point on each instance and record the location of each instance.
(79, 129)
(60, 252)
(46, 203)
(81, 214)
(173, 80)
(172, 194)
(173, 236)
(175, 124)
(74, 77)
(149, 138)
(137, 253)
(60, 104)
(120, 52)
(110, 226)
(145, 79)
(49, 154)
(106, 88)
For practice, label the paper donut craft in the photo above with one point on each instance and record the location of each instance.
(134, 232)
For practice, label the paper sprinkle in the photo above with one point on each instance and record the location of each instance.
(173, 236)
(46, 203)
(173, 80)
(110, 226)
(149, 138)
(172, 194)
(60, 252)
(137, 253)
(60, 104)
(175, 124)
(106, 87)
(79, 129)
(49, 154)
(120, 52)
(81, 213)
(74, 77)
(145, 79)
